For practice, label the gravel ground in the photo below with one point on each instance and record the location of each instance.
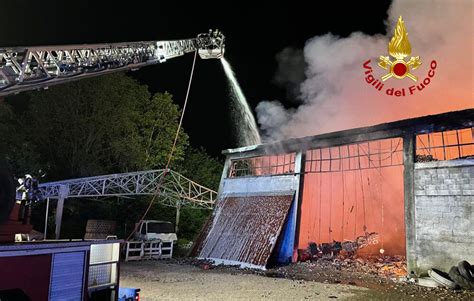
(192, 280)
(164, 281)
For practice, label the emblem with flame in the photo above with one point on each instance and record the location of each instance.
(399, 48)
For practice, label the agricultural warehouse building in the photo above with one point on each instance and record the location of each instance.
(400, 188)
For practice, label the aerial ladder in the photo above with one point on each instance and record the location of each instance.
(39, 67)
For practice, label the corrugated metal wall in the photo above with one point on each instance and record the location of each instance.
(340, 206)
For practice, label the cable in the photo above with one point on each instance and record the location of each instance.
(173, 148)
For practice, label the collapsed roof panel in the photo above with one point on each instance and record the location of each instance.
(245, 229)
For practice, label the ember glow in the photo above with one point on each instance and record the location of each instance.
(353, 202)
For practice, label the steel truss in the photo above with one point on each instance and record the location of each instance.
(36, 67)
(28, 68)
(175, 189)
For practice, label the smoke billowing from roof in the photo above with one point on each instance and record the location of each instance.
(334, 94)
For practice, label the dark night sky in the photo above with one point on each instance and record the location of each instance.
(255, 33)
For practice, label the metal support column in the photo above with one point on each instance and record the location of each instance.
(178, 209)
(46, 219)
(409, 148)
(225, 173)
(300, 163)
(59, 216)
(63, 193)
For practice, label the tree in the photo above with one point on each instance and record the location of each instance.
(199, 166)
(14, 148)
(100, 125)
(157, 123)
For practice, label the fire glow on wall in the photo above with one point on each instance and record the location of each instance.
(355, 191)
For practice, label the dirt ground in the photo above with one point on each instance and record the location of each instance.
(161, 281)
(178, 280)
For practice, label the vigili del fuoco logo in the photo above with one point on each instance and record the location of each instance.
(397, 66)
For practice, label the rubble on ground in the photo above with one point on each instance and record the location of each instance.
(386, 267)
(392, 267)
(335, 248)
(385, 274)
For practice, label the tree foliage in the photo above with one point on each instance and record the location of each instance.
(14, 148)
(98, 126)
(198, 164)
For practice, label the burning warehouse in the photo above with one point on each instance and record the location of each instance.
(401, 188)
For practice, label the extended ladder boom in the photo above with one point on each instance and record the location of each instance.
(28, 68)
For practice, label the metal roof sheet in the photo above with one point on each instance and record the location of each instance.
(245, 229)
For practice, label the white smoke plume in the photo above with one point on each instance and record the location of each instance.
(334, 93)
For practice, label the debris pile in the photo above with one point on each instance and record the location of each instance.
(343, 256)
(393, 267)
(346, 248)
(379, 274)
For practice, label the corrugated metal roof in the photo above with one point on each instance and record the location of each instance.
(245, 229)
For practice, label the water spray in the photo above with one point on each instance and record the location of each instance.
(247, 130)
